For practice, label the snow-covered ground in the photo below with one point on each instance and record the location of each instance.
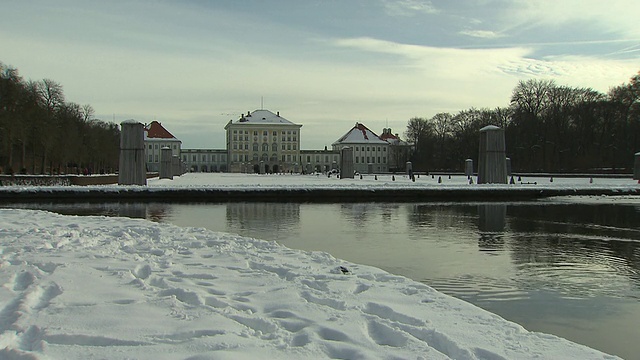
(117, 288)
(244, 182)
(382, 181)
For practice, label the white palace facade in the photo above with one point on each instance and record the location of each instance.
(265, 142)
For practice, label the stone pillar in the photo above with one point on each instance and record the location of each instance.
(132, 170)
(175, 165)
(636, 167)
(492, 166)
(165, 163)
(346, 163)
(508, 160)
(262, 167)
(468, 167)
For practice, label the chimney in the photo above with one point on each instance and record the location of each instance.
(278, 114)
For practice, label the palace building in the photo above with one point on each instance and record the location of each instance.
(263, 142)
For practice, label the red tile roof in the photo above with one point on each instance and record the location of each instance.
(155, 130)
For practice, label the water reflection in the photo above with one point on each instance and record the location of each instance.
(491, 224)
(261, 218)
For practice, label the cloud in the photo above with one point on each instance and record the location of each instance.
(409, 7)
(493, 67)
(484, 34)
(619, 16)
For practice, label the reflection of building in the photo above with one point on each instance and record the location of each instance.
(205, 160)
(370, 153)
(262, 141)
(263, 218)
(155, 138)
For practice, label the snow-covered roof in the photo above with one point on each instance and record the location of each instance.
(155, 131)
(360, 134)
(263, 117)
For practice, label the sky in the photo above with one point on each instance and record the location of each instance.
(193, 65)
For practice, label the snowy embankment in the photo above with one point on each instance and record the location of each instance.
(116, 288)
(225, 186)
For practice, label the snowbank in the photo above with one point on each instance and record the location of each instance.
(116, 288)
(226, 186)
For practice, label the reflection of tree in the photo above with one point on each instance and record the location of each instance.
(566, 246)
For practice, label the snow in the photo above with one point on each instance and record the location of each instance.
(257, 182)
(117, 288)
(384, 181)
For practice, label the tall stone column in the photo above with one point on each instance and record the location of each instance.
(492, 166)
(175, 165)
(346, 163)
(165, 163)
(132, 170)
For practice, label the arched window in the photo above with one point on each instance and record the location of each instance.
(274, 157)
(265, 147)
(255, 146)
(255, 157)
(274, 147)
(265, 157)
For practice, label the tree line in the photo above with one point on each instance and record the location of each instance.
(548, 128)
(42, 133)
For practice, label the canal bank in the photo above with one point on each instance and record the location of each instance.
(225, 187)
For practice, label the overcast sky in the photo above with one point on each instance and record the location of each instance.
(195, 64)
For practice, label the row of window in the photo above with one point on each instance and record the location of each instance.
(265, 147)
(156, 146)
(379, 148)
(265, 132)
(265, 138)
(372, 159)
(204, 158)
(265, 157)
(326, 158)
